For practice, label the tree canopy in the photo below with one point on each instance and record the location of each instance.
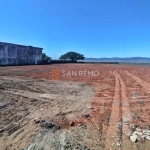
(45, 58)
(72, 55)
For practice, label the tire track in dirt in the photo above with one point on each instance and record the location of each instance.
(120, 115)
(126, 114)
(115, 118)
(140, 100)
(145, 85)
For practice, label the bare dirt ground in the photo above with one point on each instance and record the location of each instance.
(110, 111)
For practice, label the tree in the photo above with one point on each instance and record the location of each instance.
(45, 58)
(72, 55)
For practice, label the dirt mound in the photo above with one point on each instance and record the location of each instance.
(28, 105)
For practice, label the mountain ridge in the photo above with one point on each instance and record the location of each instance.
(120, 58)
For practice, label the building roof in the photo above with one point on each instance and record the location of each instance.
(20, 45)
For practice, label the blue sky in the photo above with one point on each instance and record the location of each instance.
(95, 28)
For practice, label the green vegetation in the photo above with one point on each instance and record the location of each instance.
(45, 58)
(72, 55)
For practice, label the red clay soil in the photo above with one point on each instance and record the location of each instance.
(122, 97)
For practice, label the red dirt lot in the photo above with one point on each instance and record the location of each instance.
(87, 107)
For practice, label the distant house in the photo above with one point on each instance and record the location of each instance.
(14, 54)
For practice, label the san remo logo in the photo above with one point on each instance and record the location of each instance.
(56, 74)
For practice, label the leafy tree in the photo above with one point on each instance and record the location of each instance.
(72, 55)
(45, 58)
